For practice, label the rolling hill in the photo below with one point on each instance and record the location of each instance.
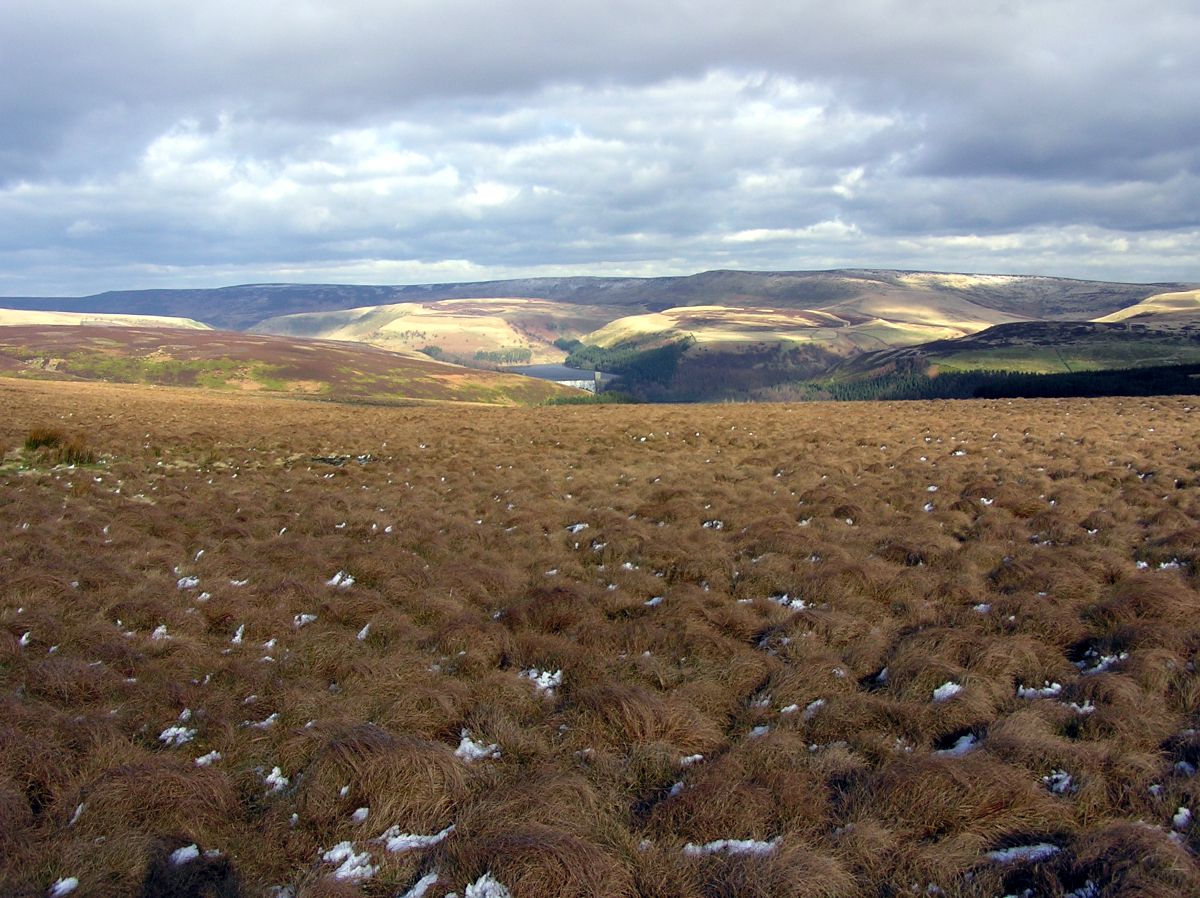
(224, 360)
(726, 334)
(1161, 304)
(524, 329)
(18, 317)
(242, 307)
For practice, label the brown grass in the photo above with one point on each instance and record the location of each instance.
(796, 643)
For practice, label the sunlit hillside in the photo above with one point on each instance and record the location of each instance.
(23, 317)
(525, 329)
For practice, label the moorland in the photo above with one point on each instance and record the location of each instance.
(256, 646)
(226, 360)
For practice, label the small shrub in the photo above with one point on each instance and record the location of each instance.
(44, 438)
(75, 451)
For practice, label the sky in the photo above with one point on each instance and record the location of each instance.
(162, 143)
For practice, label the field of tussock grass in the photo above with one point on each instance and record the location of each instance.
(262, 647)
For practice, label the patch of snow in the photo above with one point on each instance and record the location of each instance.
(1086, 708)
(946, 691)
(340, 580)
(1088, 890)
(486, 886)
(960, 747)
(276, 780)
(813, 708)
(352, 865)
(758, 731)
(982, 608)
(1185, 768)
(577, 528)
(654, 602)
(931, 489)
(301, 620)
(397, 842)
(237, 637)
(1182, 818)
(64, 886)
(797, 604)
(928, 506)
(470, 750)
(731, 846)
(24, 640)
(209, 759)
(1028, 853)
(713, 525)
(360, 815)
(364, 633)
(181, 856)
(1094, 662)
(1049, 690)
(240, 582)
(187, 583)
(544, 680)
(422, 886)
(690, 760)
(790, 709)
(160, 632)
(1059, 782)
(175, 736)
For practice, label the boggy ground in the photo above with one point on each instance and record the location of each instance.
(823, 650)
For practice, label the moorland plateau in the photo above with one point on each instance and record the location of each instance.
(254, 646)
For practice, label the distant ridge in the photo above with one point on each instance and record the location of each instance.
(242, 307)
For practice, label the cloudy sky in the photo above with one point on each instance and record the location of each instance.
(211, 142)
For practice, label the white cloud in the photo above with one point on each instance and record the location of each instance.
(149, 145)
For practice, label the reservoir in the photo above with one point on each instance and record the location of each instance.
(558, 373)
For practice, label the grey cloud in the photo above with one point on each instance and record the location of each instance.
(216, 139)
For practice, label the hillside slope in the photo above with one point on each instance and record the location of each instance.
(1045, 347)
(1183, 303)
(241, 307)
(224, 360)
(19, 317)
(459, 327)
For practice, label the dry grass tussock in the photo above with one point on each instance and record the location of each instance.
(260, 647)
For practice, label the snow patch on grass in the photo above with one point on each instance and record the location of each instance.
(946, 691)
(396, 842)
(960, 747)
(181, 856)
(1025, 853)
(64, 886)
(544, 680)
(470, 750)
(731, 846)
(353, 866)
